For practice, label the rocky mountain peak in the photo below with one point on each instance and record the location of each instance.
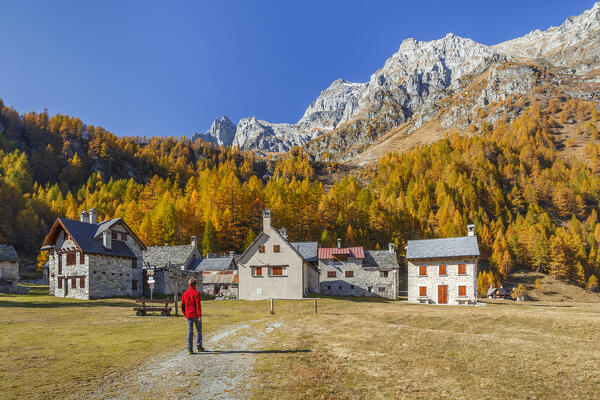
(221, 132)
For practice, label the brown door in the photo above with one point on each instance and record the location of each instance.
(442, 294)
(66, 284)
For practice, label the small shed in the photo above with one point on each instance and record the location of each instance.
(498, 293)
(221, 283)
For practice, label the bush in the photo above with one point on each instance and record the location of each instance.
(520, 291)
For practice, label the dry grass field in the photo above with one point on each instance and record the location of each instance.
(354, 348)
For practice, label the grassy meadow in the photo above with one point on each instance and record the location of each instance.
(357, 348)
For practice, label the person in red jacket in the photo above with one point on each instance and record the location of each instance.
(191, 308)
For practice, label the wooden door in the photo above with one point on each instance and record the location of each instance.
(66, 285)
(442, 294)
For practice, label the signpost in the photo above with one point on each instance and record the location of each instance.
(151, 285)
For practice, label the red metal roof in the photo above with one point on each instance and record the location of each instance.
(327, 253)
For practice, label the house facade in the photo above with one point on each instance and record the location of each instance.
(273, 267)
(352, 271)
(443, 271)
(92, 260)
(9, 269)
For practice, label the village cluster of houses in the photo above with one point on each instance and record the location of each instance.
(89, 259)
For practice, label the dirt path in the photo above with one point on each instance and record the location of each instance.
(223, 372)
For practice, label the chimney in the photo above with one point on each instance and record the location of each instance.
(195, 242)
(107, 239)
(84, 216)
(339, 243)
(93, 216)
(283, 233)
(266, 219)
(392, 248)
(471, 230)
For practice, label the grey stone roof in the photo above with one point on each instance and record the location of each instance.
(160, 256)
(381, 259)
(8, 253)
(465, 246)
(83, 234)
(308, 250)
(213, 264)
(501, 291)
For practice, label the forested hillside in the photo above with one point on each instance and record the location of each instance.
(532, 209)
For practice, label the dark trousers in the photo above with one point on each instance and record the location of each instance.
(191, 322)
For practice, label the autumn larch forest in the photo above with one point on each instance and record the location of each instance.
(532, 207)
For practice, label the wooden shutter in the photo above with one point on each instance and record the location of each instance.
(134, 285)
(71, 258)
(442, 269)
(59, 264)
(113, 235)
(349, 274)
(123, 236)
(462, 290)
(422, 270)
(422, 291)
(60, 283)
(134, 263)
(442, 294)
(261, 249)
(258, 271)
(383, 274)
(331, 274)
(462, 269)
(73, 283)
(82, 282)
(276, 271)
(276, 248)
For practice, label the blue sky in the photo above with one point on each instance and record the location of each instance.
(169, 68)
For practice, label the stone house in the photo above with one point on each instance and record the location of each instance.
(273, 267)
(352, 271)
(91, 260)
(443, 271)
(9, 269)
(221, 283)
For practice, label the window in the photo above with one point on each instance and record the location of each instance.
(442, 269)
(462, 290)
(275, 248)
(331, 274)
(134, 285)
(113, 235)
(256, 271)
(276, 271)
(60, 283)
(369, 289)
(261, 249)
(349, 274)
(134, 263)
(328, 287)
(381, 289)
(462, 269)
(351, 286)
(73, 283)
(422, 291)
(123, 237)
(81, 258)
(82, 282)
(383, 274)
(422, 270)
(71, 258)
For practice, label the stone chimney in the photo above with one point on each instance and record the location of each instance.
(93, 216)
(471, 230)
(339, 241)
(107, 239)
(84, 216)
(392, 248)
(266, 219)
(283, 233)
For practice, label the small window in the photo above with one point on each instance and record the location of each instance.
(71, 258)
(442, 269)
(256, 271)
(351, 286)
(60, 283)
(81, 258)
(82, 282)
(114, 235)
(134, 285)
(349, 274)
(261, 249)
(422, 270)
(275, 248)
(73, 283)
(331, 274)
(381, 289)
(462, 290)
(276, 271)
(369, 289)
(462, 269)
(134, 263)
(124, 237)
(423, 291)
(328, 287)
(383, 274)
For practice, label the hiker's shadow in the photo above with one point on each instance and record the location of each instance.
(254, 351)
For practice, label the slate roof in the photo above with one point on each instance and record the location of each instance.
(160, 256)
(225, 277)
(465, 246)
(381, 259)
(308, 250)
(83, 234)
(327, 253)
(212, 264)
(8, 253)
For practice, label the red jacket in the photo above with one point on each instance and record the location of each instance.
(191, 303)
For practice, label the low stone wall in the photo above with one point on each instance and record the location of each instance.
(213, 288)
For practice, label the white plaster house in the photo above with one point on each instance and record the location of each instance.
(92, 260)
(443, 271)
(273, 267)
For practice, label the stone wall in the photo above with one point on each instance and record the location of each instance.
(226, 290)
(9, 271)
(70, 275)
(452, 280)
(176, 279)
(113, 277)
(364, 282)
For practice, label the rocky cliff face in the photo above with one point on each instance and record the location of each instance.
(451, 79)
(221, 132)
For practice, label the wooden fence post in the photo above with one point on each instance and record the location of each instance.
(272, 312)
(315, 306)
